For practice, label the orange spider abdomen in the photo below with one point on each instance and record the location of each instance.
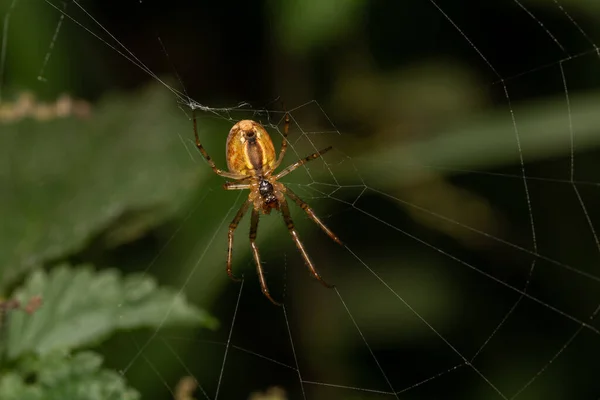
(250, 150)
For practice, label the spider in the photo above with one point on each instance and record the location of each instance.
(251, 162)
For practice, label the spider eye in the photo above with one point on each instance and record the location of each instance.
(250, 134)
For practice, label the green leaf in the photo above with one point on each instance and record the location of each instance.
(81, 306)
(62, 377)
(65, 181)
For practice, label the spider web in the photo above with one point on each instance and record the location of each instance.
(449, 301)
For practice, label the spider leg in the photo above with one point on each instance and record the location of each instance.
(284, 143)
(236, 186)
(312, 215)
(261, 276)
(301, 163)
(232, 226)
(285, 211)
(220, 172)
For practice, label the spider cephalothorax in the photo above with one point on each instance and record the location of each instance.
(268, 195)
(251, 162)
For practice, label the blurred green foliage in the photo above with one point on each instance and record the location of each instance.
(67, 180)
(59, 194)
(314, 24)
(65, 377)
(80, 307)
(83, 307)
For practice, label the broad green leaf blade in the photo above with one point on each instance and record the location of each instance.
(64, 181)
(62, 377)
(81, 306)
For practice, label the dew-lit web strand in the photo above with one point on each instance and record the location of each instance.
(441, 251)
(455, 350)
(136, 61)
(233, 346)
(153, 368)
(193, 104)
(160, 378)
(424, 321)
(145, 271)
(504, 318)
(387, 380)
(545, 258)
(580, 201)
(567, 267)
(541, 24)
(523, 294)
(333, 385)
(521, 160)
(592, 229)
(157, 256)
(511, 176)
(179, 293)
(133, 58)
(436, 376)
(514, 306)
(519, 291)
(555, 356)
(580, 328)
(572, 161)
(297, 369)
(237, 305)
(365, 187)
(289, 330)
(164, 49)
(569, 57)
(517, 137)
(5, 26)
(581, 30)
(315, 149)
(519, 75)
(174, 234)
(187, 370)
(287, 324)
(186, 147)
(322, 112)
(40, 76)
(228, 344)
